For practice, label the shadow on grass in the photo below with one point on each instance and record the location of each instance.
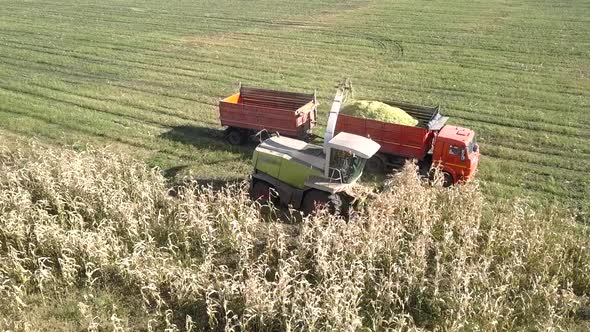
(207, 138)
(214, 140)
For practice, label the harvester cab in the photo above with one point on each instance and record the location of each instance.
(307, 176)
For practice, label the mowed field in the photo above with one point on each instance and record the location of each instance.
(144, 77)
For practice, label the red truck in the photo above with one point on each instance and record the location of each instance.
(432, 142)
(252, 110)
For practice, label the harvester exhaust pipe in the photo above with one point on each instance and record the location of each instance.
(343, 89)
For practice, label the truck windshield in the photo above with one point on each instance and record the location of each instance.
(471, 146)
(345, 166)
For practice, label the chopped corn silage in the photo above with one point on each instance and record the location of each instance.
(376, 110)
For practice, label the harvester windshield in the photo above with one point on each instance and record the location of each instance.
(345, 166)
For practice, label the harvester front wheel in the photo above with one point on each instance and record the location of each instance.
(235, 136)
(263, 193)
(315, 200)
(375, 165)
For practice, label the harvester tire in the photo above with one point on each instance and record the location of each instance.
(263, 193)
(235, 136)
(375, 165)
(315, 200)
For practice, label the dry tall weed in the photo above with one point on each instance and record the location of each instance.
(421, 257)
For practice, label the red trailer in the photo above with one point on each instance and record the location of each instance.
(431, 142)
(252, 110)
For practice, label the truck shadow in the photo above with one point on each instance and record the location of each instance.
(205, 138)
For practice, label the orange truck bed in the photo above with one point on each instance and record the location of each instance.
(399, 140)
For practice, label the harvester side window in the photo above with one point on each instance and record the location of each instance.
(345, 166)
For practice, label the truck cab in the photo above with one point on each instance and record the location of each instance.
(455, 153)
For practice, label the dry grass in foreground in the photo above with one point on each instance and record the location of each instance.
(93, 241)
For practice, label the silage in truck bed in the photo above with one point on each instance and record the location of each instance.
(379, 111)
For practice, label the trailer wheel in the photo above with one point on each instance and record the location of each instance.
(235, 136)
(375, 165)
(263, 193)
(316, 200)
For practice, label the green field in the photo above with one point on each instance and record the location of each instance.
(145, 77)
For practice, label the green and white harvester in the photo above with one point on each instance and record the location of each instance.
(305, 176)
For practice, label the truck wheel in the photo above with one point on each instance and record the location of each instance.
(375, 165)
(316, 200)
(263, 193)
(235, 136)
(447, 179)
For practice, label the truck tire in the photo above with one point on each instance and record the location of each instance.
(263, 193)
(447, 179)
(316, 199)
(375, 165)
(235, 136)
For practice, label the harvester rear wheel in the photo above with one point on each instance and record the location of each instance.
(263, 193)
(315, 200)
(375, 165)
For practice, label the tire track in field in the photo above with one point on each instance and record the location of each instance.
(492, 98)
(493, 134)
(151, 64)
(160, 68)
(500, 124)
(493, 151)
(566, 155)
(128, 20)
(73, 129)
(462, 92)
(501, 121)
(141, 64)
(109, 79)
(521, 116)
(40, 96)
(87, 131)
(241, 19)
(48, 67)
(544, 193)
(138, 107)
(565, 191)
(477, 66)
(559, 128)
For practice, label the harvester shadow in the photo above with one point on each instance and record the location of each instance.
(281, 214)
(214, 140)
